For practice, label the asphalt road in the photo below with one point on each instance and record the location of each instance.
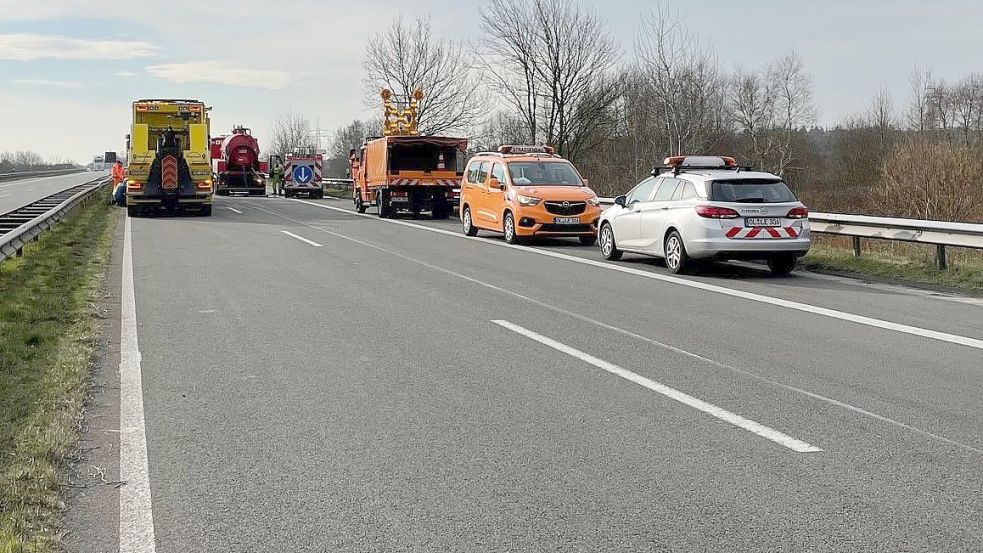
(314, 380)
(18, 193)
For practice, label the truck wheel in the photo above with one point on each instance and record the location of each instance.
(383, 200)
(206, 211)
(415, 210)
(440, 211)
(132, 210)
(359, 204)
(469, 228)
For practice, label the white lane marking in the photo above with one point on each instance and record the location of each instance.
(301, 238)
(4, 195)
(136, 518)
(672, 393)
(631, 334)
(28, 190)
(234, 210)
(798, 306)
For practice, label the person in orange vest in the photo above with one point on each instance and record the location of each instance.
(119, 185)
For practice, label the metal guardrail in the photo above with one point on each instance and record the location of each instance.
(938, 233)
(338, 183)
(24, 224)
(29, 174)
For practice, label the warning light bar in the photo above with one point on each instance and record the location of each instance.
(706, 162)
(516, 149)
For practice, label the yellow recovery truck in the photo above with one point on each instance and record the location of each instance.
(169, 158)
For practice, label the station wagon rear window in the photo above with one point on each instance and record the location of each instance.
(750, 191)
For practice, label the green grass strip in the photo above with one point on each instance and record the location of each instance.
(959, 277)
(48, 330)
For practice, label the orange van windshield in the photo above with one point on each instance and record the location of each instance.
(540, 173)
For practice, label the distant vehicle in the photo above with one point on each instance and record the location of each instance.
(525, 192)
(704, 207)
(302, 173)
(169, 159)
(235, 161)
(404, 171)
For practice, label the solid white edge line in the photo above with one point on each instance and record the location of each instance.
(804, 307)
(672, 393)
(136, 519)
(234, 210)
(301, 238)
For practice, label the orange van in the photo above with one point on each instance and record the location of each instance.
(525, 192)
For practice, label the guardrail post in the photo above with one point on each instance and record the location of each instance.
(856, 246)
(20, 252)
(940, 259)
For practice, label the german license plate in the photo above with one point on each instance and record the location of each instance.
(566, 220)
(762, 222)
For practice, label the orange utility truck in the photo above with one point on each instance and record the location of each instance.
(404, 171)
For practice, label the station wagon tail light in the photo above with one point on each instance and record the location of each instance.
(714, 212)
(798, 213)
(527, 200)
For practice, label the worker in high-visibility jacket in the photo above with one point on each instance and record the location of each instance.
(276, 176)
(118, 174)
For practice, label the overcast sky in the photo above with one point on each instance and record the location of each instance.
(70, 68)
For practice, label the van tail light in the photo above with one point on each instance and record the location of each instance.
(798, 213)
(714, 212)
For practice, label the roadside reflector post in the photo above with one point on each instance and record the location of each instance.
(940, 259)
(856, 246)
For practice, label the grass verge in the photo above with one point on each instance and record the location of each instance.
(962, 276)
(47, 338)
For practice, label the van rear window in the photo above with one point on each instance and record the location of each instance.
(750, 191)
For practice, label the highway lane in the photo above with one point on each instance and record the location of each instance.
(18, 193)
(351, 386)
(933, 310)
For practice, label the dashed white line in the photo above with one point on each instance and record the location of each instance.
(636, 336)
(301, 238)
(234, 210)
(136, 519)
(4, 195)
(798, 306)
(672, 393)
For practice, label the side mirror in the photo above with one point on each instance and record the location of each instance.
(621, 200)
(494, 183)
(586, 182)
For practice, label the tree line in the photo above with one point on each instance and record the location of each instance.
(551, 72)
(26, 160)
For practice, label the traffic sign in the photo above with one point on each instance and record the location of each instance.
(303, 174)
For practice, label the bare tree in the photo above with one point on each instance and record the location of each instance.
(408, 57)
(794, 105)
(552, 63)
(919, 80)
(684, 83)
(880, 114)
(290, 131)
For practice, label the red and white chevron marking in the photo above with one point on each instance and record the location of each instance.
(418, 182)
(168, 173)
(762, 233)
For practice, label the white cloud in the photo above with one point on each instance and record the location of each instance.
(125, 74)
(45, 82)
(27, 47)
(222, 72)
